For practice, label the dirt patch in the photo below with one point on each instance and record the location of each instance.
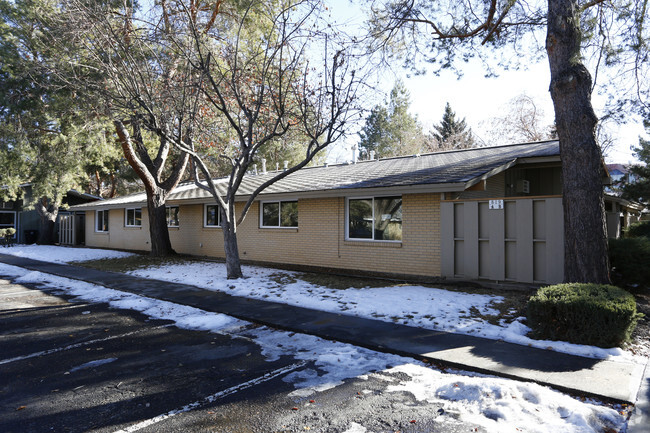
(135, 262)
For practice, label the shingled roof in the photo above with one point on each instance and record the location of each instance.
(440, 171)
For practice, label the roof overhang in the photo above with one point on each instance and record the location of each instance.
(625, 203)
(510, 164)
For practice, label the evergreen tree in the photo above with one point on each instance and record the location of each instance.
(47, 129)
(639, 188)
(390, 130)
(452, 133)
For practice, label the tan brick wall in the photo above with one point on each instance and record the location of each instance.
(318, 241)
(118, 236)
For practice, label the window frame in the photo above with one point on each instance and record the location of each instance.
(178, 220)
(279, 202)
(14, 225)
(372, 198)
(126, 217)
(205, 216)
(104, 219)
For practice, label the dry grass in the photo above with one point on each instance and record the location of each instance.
(135, 262)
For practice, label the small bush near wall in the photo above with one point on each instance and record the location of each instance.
(7, 236)
(593, 314)
(630, 262)
(638, 229)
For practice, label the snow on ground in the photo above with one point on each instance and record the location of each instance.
(51, 253)
(502, 405)
(499, 405)
(417, 306)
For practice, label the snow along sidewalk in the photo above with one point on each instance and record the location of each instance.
(618, 381)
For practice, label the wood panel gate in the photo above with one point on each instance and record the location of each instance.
(505, 239)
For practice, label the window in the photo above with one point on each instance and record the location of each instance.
(133, 217)
(211, 216)
(279, 214)
(101, 220)
(172, 216)
(376, 218)
(7, 220)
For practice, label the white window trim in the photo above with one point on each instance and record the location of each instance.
(179, 218)
(205, 216)
(347, 219)
(279, 202)
(96, 218)
(126, 219)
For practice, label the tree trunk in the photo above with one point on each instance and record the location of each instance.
(46, 232)
(233, 263)
(156, 189)
(585, 239)
(48, 216)
(158, 231)
(113, 186)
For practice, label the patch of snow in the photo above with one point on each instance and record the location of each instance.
(356, 428)
(56, 254)
(184, 316)
(335, 361)
(12, 271)
(92, 364)
(501, 405)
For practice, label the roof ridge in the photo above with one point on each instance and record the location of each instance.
(469, 149)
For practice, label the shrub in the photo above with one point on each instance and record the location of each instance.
(593, 314)
(6, 236)
(630, 261)
(638, 229)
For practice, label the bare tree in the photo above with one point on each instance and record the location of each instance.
(293, 77)
(522, 122)
(216, 83)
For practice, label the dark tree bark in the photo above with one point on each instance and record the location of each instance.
(158, 230)
(157, 189)
(585, 239)
(231, 247)
(48, 213)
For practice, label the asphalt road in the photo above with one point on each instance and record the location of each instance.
(74, 367)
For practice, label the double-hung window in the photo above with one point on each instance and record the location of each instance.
(279, 214)
(133, 217)
(101, 220)
(375, 218)
(172, 216)
(211, 216)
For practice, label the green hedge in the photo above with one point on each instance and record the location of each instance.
(630, 261)
(593, 314)
(638, 229)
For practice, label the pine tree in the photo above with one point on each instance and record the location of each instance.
(390, 130)
(639, 188)
(452, 133)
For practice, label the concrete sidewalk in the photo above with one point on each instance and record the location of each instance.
(618, 381)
